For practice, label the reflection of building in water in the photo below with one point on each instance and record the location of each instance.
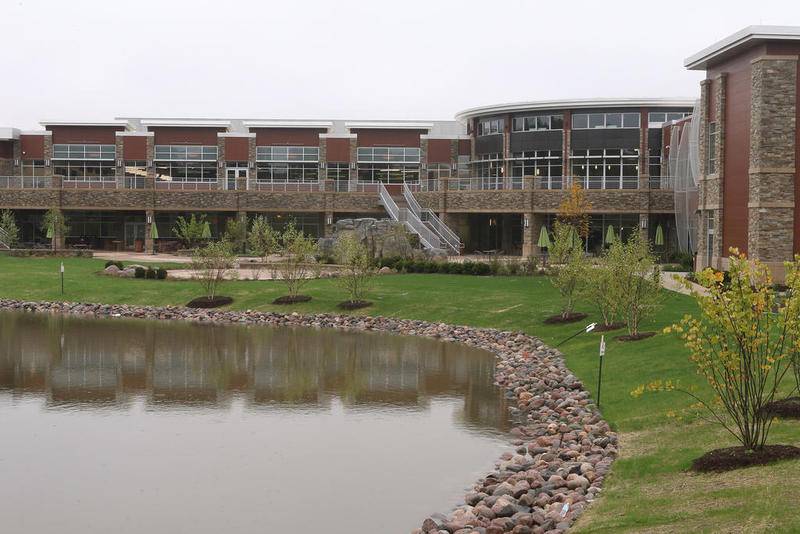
(78, 360)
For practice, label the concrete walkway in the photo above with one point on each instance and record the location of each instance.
(668, 282)
(139, 257)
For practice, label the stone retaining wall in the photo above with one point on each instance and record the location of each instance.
(563, 448)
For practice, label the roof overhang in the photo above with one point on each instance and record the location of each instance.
(388, 125)
(744, 38)
(318, 125)
(8, 134)
(185, 123)
(107, 124)
(583, 103)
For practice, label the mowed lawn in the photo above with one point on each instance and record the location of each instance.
(649, 490)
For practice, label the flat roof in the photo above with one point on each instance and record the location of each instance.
(744, 38)
(113, 123)
(581, 103)
(322, 125)
(7, 134)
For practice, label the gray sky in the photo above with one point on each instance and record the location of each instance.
(97, 59)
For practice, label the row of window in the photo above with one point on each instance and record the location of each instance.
(606, 169)
(491, 126)
(388, 154)
(96, 152)
(655, 119)
(287, 153)
(185, 153)
(538, 123)
(589, 121)
(288, 172)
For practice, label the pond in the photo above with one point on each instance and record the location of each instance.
(115, 425)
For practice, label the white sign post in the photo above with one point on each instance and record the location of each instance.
(62, 277)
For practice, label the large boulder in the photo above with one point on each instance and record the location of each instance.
(383, 237)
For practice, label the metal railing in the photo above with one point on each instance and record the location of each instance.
(551, 182)
(25, 182)
(109, 182)
(404, 215)
(428, 216)
(285, 187)
(476, 183)
(4, 240)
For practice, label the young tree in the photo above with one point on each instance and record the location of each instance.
(190, 232)
(211, 264)
(9, 231)
(262, 239)
(640, 280)
(358, 270)
(604, 288)
(55, 225)
(569, 265)
(297, 265)
(574, 210)
(741, 343)
(236, 233)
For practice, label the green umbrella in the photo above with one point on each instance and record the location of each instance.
(610, 235)
(153, 231)
(544, 239)
(574, 238)
(659, 236)
(50, 231)
(206, 231)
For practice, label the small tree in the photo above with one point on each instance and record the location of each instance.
(262, 239)
(640, 280)
(574, 210)
(55, 225)
(569, 264)
(9, 231)
(236, 233)
(357, 271)
(190, 231)
(211, 264)
(603, 287)
(741, 344)
(297, 265)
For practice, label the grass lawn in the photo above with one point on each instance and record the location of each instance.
(649, 489)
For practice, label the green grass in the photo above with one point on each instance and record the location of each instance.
(649, 489)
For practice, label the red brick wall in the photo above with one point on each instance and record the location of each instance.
(406, 138)
(134, 148)
(236, 149)
(101, 135)
(439, 151)
(177, 135)
(338, 149)
(32, 146)
(287, 136)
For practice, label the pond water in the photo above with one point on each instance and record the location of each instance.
(113, 425)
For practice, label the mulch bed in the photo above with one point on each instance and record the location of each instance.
(205, 302)
(638, 337)
(354, 304)
(737, 457)
(609, 327)
(789, 408)
(291, 300)
(572, 318)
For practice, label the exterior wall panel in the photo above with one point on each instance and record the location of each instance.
(378, 137)
(101, 135)
(287, 136)
(32, 146)
(175, 135)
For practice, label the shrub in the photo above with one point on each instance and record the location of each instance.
(161, 273)
(139, 272)
(210, 264)
(119, 265)
(512, 268)
(604, 288)
(150, 273)
(569, 264)
(357, 273)
(9, 231)
(297, 265)
(262, 239)
(640, 280)
(742, 343)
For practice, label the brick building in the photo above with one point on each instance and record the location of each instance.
(494, 175)
(749, 146)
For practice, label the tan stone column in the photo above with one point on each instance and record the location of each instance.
(150, 180)
(773, 131)
(327, 224)
(530, 233)
(149, 221)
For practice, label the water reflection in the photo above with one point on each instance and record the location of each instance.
(111, 362)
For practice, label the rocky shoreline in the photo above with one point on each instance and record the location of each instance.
(563, 447)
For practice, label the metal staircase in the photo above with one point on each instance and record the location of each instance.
(432, 232)
(4, 240)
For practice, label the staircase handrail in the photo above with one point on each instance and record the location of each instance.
(428, 215)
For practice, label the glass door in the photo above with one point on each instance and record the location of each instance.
(231, 174)
(134, 235)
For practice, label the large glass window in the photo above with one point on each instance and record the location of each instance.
(711, 148)
(546, 166)
(487, 166)
(287, 172)
(611, 168)
(287, 153)
(583, 121)
(538, 122)
(388, 164)
(654, 167)
(182, 163)
(135, 174)
(33, 167)
(338, 171)
(656, 119)
(490, 126)
(86, 163)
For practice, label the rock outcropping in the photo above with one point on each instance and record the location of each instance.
(383, 237)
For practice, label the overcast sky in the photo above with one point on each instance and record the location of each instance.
(98, 59)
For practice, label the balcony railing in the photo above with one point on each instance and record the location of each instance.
(186, 186)
(25, 182)
(107, 182)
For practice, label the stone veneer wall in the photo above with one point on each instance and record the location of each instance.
(711, 185)
(772, 165)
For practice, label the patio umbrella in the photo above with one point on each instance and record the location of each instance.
(610, 235)
(574, 238)
(544, 239)
(206, 231)
(50, 232)
(659, 236)
(153, 231)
